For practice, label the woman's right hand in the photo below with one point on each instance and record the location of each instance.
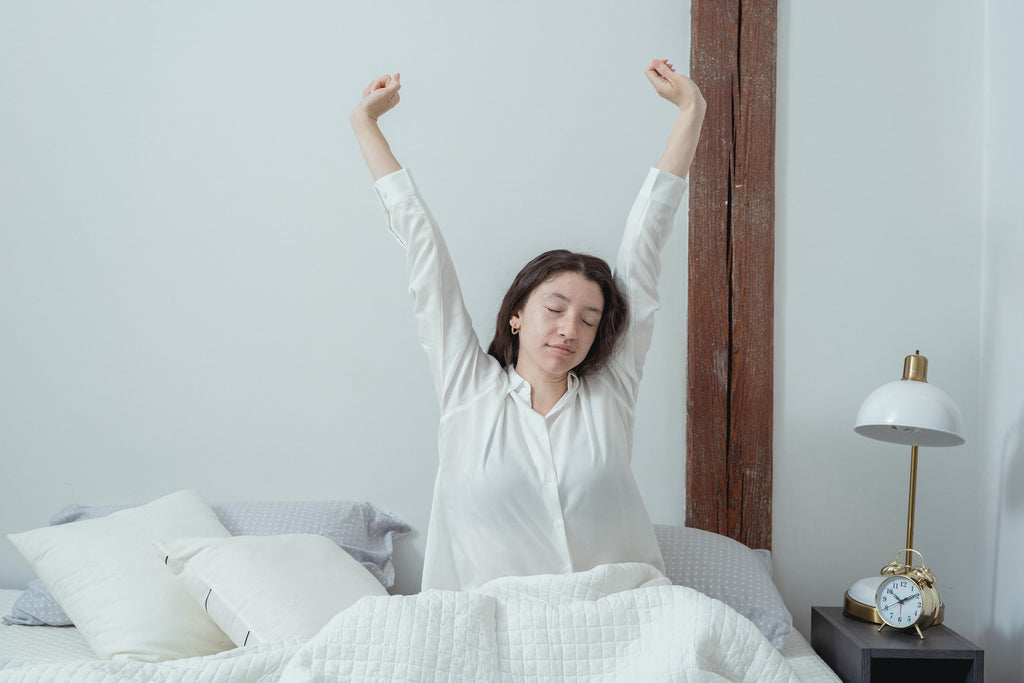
(379, 97)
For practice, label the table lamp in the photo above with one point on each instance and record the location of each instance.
(913, 413)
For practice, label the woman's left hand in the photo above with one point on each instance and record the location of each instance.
(684, 93)
(379, 97)
(674, 87)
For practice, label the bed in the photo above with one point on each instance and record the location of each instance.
(48, 646)
(176, 589)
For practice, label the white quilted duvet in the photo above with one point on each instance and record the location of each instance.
(621, 622)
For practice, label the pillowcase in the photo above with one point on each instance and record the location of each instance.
(104, 574)
(263, 588)
(729, 571)
(361, 529)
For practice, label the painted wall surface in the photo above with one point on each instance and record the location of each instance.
(196, 285)
(879, 238)
(900, 228)
(1000, 608)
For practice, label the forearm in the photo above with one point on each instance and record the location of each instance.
(682, 141)
(638, 267)
(375, 148)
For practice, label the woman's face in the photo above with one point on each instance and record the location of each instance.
(557, 325)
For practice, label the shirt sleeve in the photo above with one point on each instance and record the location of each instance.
(637, 269)
(459, 366)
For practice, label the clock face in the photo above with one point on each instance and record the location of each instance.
(899, 602)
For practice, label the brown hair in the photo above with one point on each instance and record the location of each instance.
(505, 346)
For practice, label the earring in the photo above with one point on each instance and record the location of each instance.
(515, 330)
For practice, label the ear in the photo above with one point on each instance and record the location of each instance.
(516, 320)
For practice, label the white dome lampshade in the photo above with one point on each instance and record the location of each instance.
(910, 411)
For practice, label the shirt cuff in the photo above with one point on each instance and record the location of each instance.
(664, 187)
(395, 188)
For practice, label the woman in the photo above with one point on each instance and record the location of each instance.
(536, 434)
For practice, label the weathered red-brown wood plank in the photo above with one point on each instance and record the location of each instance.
(730, 300)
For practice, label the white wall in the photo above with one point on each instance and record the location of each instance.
(196, 287)
(879, 238)
(1000, 609)
(900, 227)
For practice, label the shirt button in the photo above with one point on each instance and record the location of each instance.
(558, 524)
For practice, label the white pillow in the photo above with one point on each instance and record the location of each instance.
(104, 574)
(263, 588)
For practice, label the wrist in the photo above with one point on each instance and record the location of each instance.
(692, 109)
(361, 119)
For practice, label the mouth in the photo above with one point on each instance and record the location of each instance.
(562, 350)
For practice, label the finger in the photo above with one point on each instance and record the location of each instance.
(664, 68)
(375, 84)
(390, 83)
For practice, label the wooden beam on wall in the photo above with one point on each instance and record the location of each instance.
(731, 273)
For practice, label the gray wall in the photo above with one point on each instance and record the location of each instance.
(899, 227)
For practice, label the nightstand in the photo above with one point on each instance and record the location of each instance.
(859, 653)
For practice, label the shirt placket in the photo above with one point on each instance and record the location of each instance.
(549, 488)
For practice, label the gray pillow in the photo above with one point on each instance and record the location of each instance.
(363, 530)
(729, 571)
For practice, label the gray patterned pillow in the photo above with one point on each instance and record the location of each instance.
(729, 571)
(363, 530)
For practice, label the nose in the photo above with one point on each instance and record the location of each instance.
(568, 329)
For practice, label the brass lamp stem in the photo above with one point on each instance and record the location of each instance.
(910, 505)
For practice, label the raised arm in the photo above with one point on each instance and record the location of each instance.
(650, 221)
(459, 365)
(682, 92)
(379, 97)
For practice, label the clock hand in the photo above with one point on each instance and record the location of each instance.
(897, 598)
(894, 596)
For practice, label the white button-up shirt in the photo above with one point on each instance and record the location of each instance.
(517, 492)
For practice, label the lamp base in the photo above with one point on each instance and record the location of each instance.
(859, 600)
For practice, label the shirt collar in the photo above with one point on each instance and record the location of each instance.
(521, 388)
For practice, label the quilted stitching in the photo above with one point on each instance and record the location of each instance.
(615, 623)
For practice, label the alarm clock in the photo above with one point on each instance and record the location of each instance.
(907, 597)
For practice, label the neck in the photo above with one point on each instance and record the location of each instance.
(545, 389)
